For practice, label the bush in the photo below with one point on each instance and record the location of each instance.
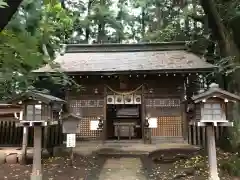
(232, 165)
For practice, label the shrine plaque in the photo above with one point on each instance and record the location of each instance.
(152, 122)
(94, 125)
(71, 140)
(70, 126)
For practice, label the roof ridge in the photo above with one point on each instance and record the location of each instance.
(116, 47)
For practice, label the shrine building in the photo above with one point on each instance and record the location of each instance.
(124, 84)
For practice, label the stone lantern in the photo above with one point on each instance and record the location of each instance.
(39, 110)
(213, 103)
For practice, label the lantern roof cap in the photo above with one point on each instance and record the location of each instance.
(38, 96)
(215, 91)
(70, 115)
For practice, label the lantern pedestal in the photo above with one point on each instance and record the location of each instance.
(212, 155)
(211, 145)
(37, 151)
(37, 165)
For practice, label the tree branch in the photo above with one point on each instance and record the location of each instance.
(7, 12)
(197, 18)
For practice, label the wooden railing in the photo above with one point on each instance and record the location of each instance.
(197, 135)
(10, 135)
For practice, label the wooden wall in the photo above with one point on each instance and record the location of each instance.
(163, 100)
(87, 104)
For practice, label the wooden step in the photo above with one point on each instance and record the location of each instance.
(123, 141)
(170, 139)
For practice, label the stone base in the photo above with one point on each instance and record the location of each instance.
(61, 151)
(12, 158)
(45, 153)
(36, 177)
(2, 158)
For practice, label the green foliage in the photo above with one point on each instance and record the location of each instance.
(34, 35)
(18, 56)
(30, 41)
(169, 33)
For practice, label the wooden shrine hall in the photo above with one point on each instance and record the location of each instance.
(127, 83)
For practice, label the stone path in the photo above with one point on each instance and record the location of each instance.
(122, 169)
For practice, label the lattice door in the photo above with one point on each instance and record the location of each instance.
(84, 128)
(168, 126)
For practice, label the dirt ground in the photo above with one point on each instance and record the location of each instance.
(91, 168)
(189, 165)
(56, 168)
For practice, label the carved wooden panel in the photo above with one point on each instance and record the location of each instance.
(83, 128)
(163, 111)
(164, 102)
(168, 126)
(86, 108)
(87, 103)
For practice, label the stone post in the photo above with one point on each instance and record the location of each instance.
(24, 146)
(212, 155)
(37, 164)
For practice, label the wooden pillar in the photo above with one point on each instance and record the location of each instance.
(143, 112)
(199, 136)
(212, 156)
(47, 112)
(204, 137)
(194, 134)
(190, 134)
(104, 131)
(184, 122)
(37, 160)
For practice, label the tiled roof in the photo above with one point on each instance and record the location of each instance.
(120, 58)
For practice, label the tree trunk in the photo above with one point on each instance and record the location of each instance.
(194, 3)
(221, 34)
(101, 26)
(87, 31)
(227, 47)
(159, 14)
(143, 23)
